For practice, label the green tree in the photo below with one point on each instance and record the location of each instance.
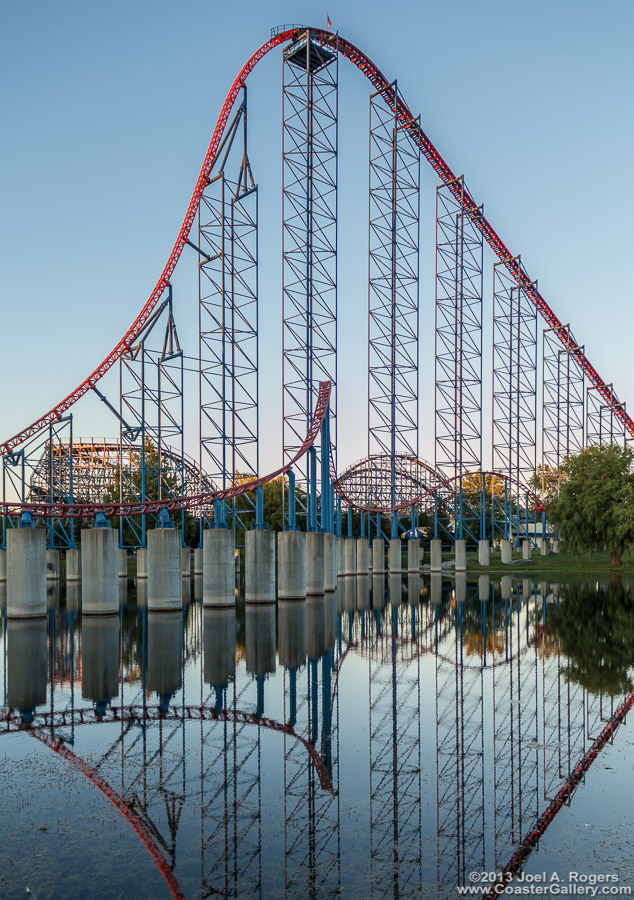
(595, 507)
(595, 628)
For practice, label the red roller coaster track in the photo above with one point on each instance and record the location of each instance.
(411, 125)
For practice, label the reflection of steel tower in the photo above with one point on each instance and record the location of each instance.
(460, 754)
(393, 647)
(311, 814)
(515, 726)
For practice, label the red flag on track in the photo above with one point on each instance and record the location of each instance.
(328, 21)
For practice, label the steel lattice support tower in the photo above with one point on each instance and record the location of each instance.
(151, 418)
(563, 399)
(228, 314)
(309, 237)
(602, 425)
(514, 378)
(393, 283)
(458, 381)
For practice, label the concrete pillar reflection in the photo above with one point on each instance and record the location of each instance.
(164, 654)
(100, 660)
(27, 663)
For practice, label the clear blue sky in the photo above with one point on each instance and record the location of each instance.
(107, 110)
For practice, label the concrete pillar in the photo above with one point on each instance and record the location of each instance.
(99, 571)
(26, 662)
(395, 555)
(506, 587)
(544, 548)
(259, 566)
(316, 626)
(186, 590)
(73, 596)
(164, 582)
(3, 565)
(219, 645)
(3, 596)
(164, 647)
(555, 546)
(186, 562)
(73, 565)
(436, 555)
(435, 588)
(351, 556)
(363, 554)
(141, 563)
(413, 588)
(506, 552)
(484, 587)
(291, 565)
(123, 562)
(52, 565)
(460, 556)
(483, 553)
(378, 556)
(100, 660)
(526, 549)
(350, 589)
(291, 633)
(413, 555)
(421, 556)
(198, 588)
(198, 561)
(341, 556)
(395, 588)
(141, 593)
(315, 562)
(330, 563)
(219, 575)
(363, 592)
(461, 587)
(378, 591)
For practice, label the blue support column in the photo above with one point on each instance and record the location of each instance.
(259, 510)
(219, 514)
(292, 519)
(394, 533)
(338, 516)
(435, 515)
(362, 516)
(349, 521)
(325, 473)
(312, 500)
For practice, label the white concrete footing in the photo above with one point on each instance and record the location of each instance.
(363, 556)
(219, 575)
(378, 556)
(141, 562)
(460, 556)
(483, 553)
(341, 556)
(555, 546)
(186, 562)
(544, 548)
(506, 552)
(291, 565)
(259, 566)
(436, 555)
(526, 549)
(351, 556)
(395, 557)
(52, 565)
(73, 565)
(315, 562)
(164, 583)
(3, 565)
(99, 571)
(26, 572)
(413, 555)
(330, 562)
(123, 562)
(198, 561)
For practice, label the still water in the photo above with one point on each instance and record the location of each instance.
(397, 738)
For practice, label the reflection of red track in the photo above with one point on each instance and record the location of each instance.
(137, 715)
(137, 823)
(411, 125)
(562, 798)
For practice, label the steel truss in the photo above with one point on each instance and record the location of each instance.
(393, 284)
(151, 417)
(374, 481)
(42, 471)
(228, 314)
(563, 399)
(309, 243)
(603, 426)
(460, 755)
(514, 380)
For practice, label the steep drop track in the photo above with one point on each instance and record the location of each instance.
(445, 174)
